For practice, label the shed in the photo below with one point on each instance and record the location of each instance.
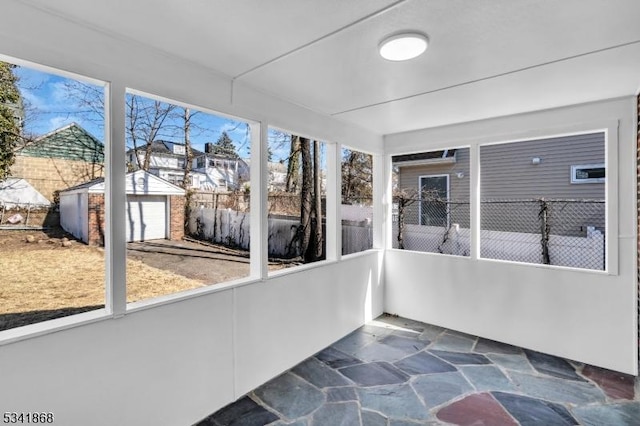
(154, 209)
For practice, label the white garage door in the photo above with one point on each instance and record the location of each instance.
(146, 217)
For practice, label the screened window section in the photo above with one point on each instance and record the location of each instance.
(431, 207)
(530, 212)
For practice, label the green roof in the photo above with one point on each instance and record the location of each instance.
(71, 142)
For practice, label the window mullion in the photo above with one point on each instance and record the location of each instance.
(115, 196)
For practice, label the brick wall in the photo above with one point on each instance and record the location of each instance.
(97, 218)
(176, 220)
(96, 213)
(48, 175)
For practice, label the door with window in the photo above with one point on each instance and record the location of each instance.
(434, 198)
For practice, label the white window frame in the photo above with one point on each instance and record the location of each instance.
(574, 169)
(420, 195)
(609, 130)
(338, 163)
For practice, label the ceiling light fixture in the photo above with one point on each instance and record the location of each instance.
(403, 46)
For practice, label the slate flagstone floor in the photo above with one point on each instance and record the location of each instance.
(399, 372)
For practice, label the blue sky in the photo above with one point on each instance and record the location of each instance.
(49, 107)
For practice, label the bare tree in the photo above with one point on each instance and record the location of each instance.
(293, 165)
(145, 120)
(188, 152)
(356, 175)
(404, 198)
(306, 208)
(317, 205)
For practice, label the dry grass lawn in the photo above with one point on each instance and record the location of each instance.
(46, 277)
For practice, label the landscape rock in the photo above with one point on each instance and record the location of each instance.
(30, 238)
(66, 243)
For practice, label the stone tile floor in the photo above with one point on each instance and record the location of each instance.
(399, 372)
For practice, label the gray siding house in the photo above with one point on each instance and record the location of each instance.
(567, 168)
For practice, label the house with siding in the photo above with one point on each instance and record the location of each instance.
(60, 159)
(209, 171)
(566, 171)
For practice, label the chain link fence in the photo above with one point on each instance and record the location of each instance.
(553, 232)
(28, 216)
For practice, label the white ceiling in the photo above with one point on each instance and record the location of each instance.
(486, 57)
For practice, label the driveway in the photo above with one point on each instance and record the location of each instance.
(207, 263)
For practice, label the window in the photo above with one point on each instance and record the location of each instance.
(434, 196)
(50, 264)
(180, 236)
(357, 201)
(431, 201)
(296, 200)
(588, 173)
(530, 212)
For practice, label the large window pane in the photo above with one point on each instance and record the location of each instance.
(543, 201)
(431, 210)
(187, 207)
(357, 201)
(51, 144)
(296, 201)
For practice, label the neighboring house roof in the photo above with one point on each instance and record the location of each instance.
(18, 192)
(138, 182)
(165, 148)
(70, 142)
(430, 157)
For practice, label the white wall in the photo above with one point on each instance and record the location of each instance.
(173, 363)
(177, 363)
(581, 315)
(73, 214)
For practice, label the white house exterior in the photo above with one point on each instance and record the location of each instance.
(209, 172)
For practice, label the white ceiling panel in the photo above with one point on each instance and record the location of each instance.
(486, 57)
(230, 36)
(589, 78)
(469, 41)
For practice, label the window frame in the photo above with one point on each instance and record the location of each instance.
(448, 213)
(575, 168)
(609, 131)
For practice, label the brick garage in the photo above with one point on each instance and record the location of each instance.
(154, 209)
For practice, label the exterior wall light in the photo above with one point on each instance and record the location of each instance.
(536, 160)
(403, 46)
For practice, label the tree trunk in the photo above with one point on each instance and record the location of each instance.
(188, 152)
(293, 167)
(544, 231)
(317, 205)
(304, 231)
(401, 206)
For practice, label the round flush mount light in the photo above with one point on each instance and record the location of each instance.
(403, 46)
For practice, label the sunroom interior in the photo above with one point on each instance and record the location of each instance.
(494, 72)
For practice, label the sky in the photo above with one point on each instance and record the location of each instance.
(49, 106)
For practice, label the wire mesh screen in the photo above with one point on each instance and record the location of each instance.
(431, 225)
(357, 224)
(554, 232)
